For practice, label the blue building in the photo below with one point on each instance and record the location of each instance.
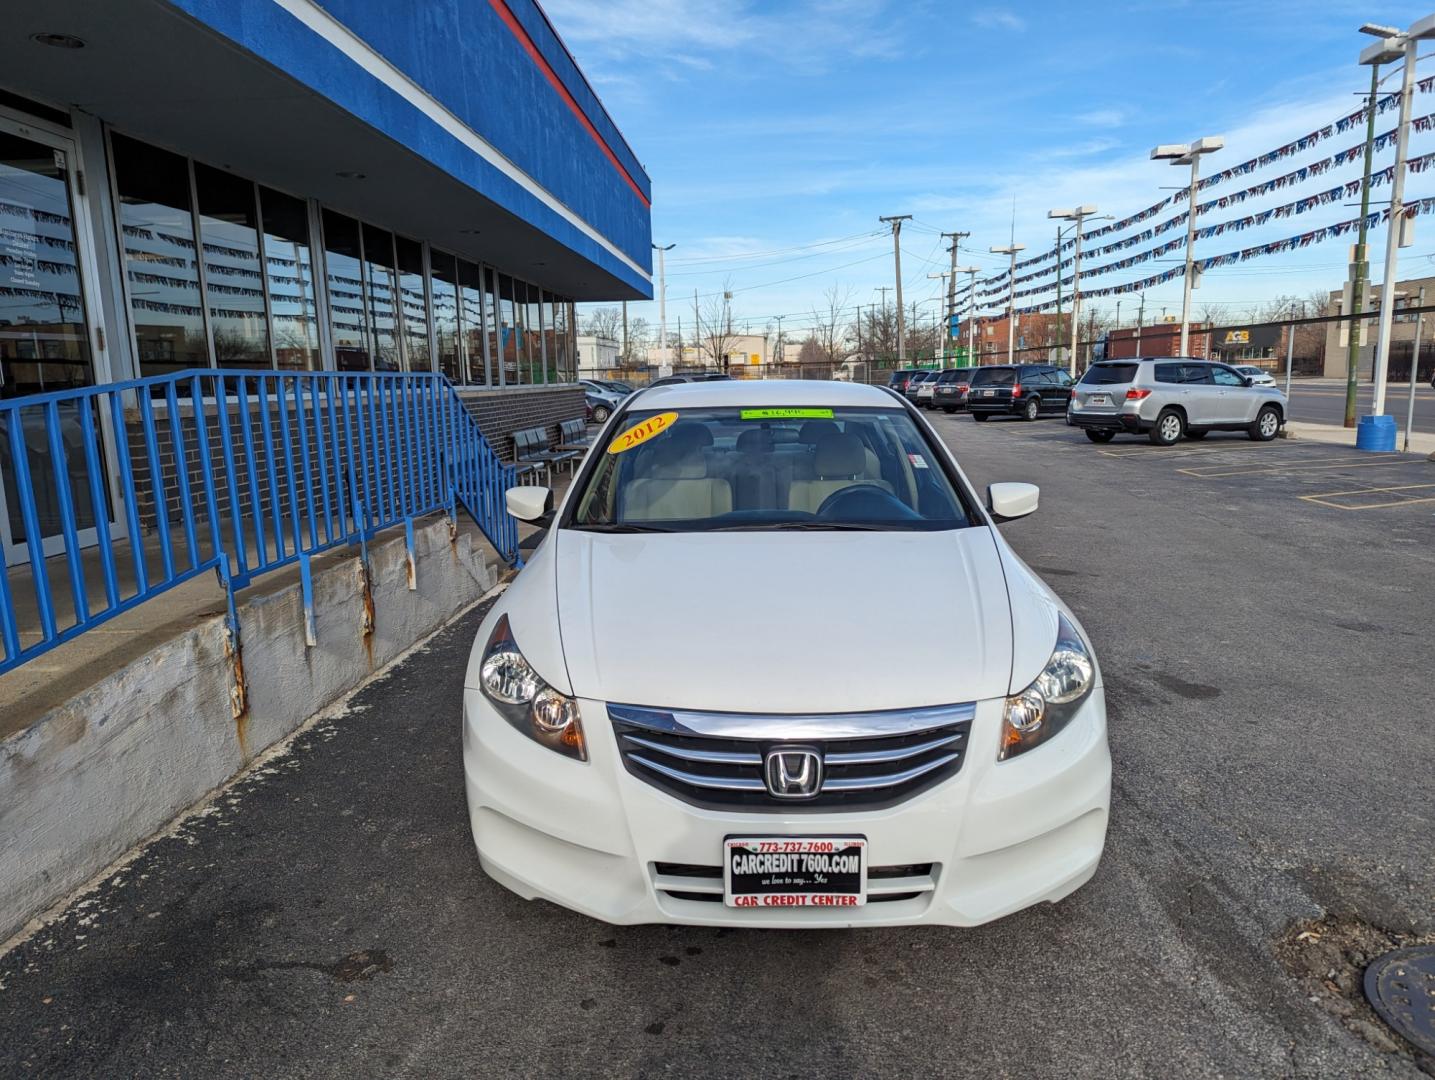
(408, 185)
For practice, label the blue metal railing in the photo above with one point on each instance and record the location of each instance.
(239, 472)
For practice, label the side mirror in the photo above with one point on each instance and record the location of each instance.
(530, 503)
(1249, 380)
(1007, 501)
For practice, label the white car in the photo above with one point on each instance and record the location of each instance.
(711, 697)
(927, 391)
(1258, 376)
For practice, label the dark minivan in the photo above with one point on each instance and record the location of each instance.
(898, 380)
(1025, 390)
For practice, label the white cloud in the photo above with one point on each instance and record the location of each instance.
(998, 19)
(1105, 118)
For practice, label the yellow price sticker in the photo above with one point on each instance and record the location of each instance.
(786, 414)
(641, 433)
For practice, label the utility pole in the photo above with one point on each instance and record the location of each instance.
(777, 356)
(663, 296)
(957, 238)
(1290, 346)
(895, 220)
(1140, 322)
(697, 327)
(1360, 263)
(943, 276)
(625, 331)
(1060, 337)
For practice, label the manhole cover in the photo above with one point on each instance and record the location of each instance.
(1401, 987)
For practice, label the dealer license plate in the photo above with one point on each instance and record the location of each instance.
(1098, 399)
(988, 393)
(795, 871)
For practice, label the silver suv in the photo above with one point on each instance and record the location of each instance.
(1168, 397)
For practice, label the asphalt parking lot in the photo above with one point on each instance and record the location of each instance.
(1262, 616)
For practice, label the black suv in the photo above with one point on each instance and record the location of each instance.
(1025, 390)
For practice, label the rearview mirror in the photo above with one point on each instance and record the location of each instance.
(530, 503)
(1007, 501)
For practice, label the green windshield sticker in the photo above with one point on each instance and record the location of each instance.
(786, 414)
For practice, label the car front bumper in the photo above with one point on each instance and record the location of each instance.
(1000, 836)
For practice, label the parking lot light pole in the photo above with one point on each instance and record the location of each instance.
(1188, 154)
(1414, 368)
(971, 271)
(1010, 249)
(1076, 216)
(1381, 52)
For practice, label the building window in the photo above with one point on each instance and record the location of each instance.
(444, 286)
(161, 267)
(413, 303)
(538, 365)
(470, 285)
(381, 284)
(344, 269)
(509, 343)
(496, 364)
(289, 273)
(234, 283)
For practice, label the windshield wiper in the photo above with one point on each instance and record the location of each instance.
(621, 527)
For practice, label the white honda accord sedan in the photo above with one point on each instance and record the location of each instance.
(716, 694)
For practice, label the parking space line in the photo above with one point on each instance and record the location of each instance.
(1212, 473)
(1325, 498)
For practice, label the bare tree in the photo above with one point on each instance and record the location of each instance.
(604, 322)
(830, 333)
(640, 335)
(715, 336)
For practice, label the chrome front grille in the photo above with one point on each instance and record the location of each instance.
(885, 884)
(716, 759)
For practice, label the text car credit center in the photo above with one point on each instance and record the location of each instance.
(683, 709)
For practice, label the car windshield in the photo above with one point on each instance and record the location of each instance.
(994, 376)
(1108, 374)
(716, 469)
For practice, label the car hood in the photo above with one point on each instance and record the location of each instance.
(793, 622)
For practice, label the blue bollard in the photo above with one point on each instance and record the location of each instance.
(1376, 434)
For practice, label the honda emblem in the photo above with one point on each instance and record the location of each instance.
(792, 772)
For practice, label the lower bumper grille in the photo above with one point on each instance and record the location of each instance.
(703, 884)
(867, 759)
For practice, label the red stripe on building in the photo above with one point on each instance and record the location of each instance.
(516, 29)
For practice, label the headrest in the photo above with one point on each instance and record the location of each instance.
(813, 430)
(839, 456)
(690, 436)
(676, 462)
(754, 441)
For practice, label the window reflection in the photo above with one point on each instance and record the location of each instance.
(444, 283)
(490, 328)
(158, 240)
(381, 284)
(533, 334)
(343, 259)
(290, 273)
(413, 303)
(44, 344)
(471, 287)
(229, 233)
(508, 330)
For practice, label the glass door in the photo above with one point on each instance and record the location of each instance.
(45, 331)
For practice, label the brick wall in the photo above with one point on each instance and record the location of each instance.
(500, 413)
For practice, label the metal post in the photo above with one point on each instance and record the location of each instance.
(1075, 294)
(1060, 335)
(663, 295)
(1140, 323)
(1397, 220)
(896, 222)
(1190, 240)
(1360, 268)
(1290, 349)
(1414, 369)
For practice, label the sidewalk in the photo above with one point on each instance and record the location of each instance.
(1420, 442)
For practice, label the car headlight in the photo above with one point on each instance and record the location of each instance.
(1048, 704)
(545, 715)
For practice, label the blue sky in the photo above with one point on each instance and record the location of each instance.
(772, 127)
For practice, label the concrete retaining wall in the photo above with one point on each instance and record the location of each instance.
(111, 766)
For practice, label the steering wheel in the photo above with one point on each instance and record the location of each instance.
(866, 502)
